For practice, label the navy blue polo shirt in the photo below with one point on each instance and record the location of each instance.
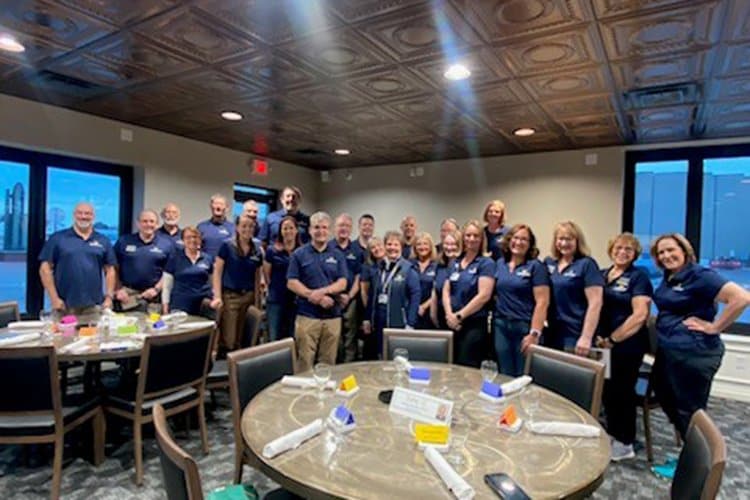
(406, 251)
(239, 271)
(514, 291)
(618, 304)
(140, 263)
(494, 241)
(78, 265)
(192, 281)
(315, 270)
(568, 305)
(691, 291)
(269, 233)
(175, 238)
(213, 235)
(465, 283)
(278, 293)
(426, 280)
(354, 260)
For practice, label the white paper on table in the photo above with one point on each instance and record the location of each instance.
(25, 325)
(455, 483)
(516, 384)
(78, 347)
(293, 439)
(123, 345)
(304, 382)
(19, 338)
(420, 406)
(564, 429)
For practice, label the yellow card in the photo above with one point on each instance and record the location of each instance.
(154, 317)
(87, 331)
(348, 384)
(509, 416)
(432, 434)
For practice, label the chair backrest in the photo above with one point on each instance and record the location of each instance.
(701, 463)
(181, 477)
(423, 345)
(579, 379)
(172, 362)
(253, 318)
(8, 313)
(33, 385)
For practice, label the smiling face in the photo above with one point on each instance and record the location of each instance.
(192, 240)
(245, 228)
(520, 243)
(343, 228)
(290, 200)
(623, 253)
(670, 254)
(472, 239)
(366, 227)
(83, 216)
(321, 231)
(494, 214)
(393, 248)
(288, 230)
(565, 243)
(409, 228)
(171, 215)
(450, 246)
(423, 249)
(377, 249)
(147, 223)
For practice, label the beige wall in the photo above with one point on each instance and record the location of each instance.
(538, 189)
(168, 167)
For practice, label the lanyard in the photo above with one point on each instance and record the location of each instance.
(385, 283)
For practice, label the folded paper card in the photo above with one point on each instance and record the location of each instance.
(341, 420)
(87, 331)
(419, 375)
(491, 392)
(348, 386)
(431, 434)
(420, 407)
(453, 480)
(564, 429)
(127, 329)
(293, 439)
(509, 421)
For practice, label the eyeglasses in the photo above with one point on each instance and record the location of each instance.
(520, 239)
(624, 249)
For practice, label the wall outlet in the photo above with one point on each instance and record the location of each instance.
(126, 135)
(591, 159)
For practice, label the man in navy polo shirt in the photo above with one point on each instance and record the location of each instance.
(290, 198)
(409, 230)
(170, 228)
(217, 229)
(250, 208)
(366, 231)
(354, 259)
(317, 275)
(141, 258)
(72, 262)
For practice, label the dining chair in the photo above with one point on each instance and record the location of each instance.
(173, 373)
(253, 321)
(32, 409)
(576, 378)
(423, 345)
(702, 460)
(250, 371)
(8, 313)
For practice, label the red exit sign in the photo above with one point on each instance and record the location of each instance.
(260, 167)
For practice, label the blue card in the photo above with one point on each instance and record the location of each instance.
(159, 325)
(419, 374)
(491, 389)
(343, 415)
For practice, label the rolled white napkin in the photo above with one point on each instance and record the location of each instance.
(196, 324)
(455, 483)
(19, 339)
(402, 363)
(564, 429)
(516, 384)
(25, 325)
(77, 347)
(304, 382)
(123, 345)
(293, 439)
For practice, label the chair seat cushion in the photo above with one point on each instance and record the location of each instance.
(168, 401)
(219, 372)
(37, 425)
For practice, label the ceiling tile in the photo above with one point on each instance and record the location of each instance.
(363, 9)
(121, 12)
(579, 106)
(485, 68)
(581, 82)
(610, 8)
(388, 84)
(273, 69)
(661, 70)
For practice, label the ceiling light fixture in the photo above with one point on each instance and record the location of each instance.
(232, 116)
(457, 72)
(9, 43)
(342, 152)
(524, 131)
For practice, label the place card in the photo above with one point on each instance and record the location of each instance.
(509, 420)
(431, 434)
(341, 419)
(87, 331)
(348, 387)
(491, 392)
(421, 407)
(419, 376)
(127, 329)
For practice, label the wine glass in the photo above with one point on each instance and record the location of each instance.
(458, 438)
(400, 355)
(489, 370)
(321, 374)
(46, 317)
(531, 402)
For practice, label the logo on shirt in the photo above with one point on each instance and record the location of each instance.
(569, 274)
(95, 244)
(621, 285)
(454, 276)
(472, 270)
(430, 273)
(678, 288)
(351, 256)
(331, 260)
(156, 250)
(223, 231)
(523, 273)
(130, 248)
(551, 268)
(203, 265)
(398, 278)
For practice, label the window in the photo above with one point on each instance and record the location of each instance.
(703, 193)
(265, 198)
(40, 192)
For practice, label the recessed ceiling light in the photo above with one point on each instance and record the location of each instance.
(524, 131)
(342, 152)
(457, 72)
(232, 116)
(10, 44)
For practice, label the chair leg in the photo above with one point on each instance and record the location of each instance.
(202, 424)
(238, 463)
(100, 431)
(138, 450)
(647, 433)
(57, 468)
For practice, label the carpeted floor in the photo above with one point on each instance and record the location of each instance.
(26, 474)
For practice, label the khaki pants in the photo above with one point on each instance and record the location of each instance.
(349, 327)
(317, 341)
(233, 314)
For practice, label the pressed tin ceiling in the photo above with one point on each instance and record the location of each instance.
(311, 76)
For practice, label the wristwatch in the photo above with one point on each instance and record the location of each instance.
(536, 333)
(459, 317)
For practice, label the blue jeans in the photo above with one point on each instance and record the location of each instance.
(280, 319)
(508, 335)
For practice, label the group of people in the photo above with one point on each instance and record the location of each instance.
(482, 280)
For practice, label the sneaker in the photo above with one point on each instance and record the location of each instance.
(621, 451)
(665, 471)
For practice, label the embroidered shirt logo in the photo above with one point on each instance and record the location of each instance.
(331, 260)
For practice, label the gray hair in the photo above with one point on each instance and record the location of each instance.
(149, 211)
(345, 216)
(318, 217)
(217, 197)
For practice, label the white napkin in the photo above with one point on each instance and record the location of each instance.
(196, 324)
(19, 339)
(516, 384)
(123, 345)
(304, 382)
(455, 483)
(293, 439)
(78, 347)
(564, 429)
(403, 363)
(18, 325)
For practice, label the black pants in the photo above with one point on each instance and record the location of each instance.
(619, 394)
(471, 344)
(682, 382)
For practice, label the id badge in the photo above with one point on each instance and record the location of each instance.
(454, 277)
(383, 298)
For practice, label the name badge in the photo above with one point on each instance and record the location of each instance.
(420, 407)
(383, 298)
(130, 248)
(454, 276)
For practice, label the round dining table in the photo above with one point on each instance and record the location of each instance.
(380, 458)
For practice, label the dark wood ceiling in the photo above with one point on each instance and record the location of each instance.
(311, 76)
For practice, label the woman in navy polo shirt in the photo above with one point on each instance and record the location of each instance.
(521, 299)
(622, 328)
(394, 297)
(187, 279)
(451, 248)
(426, 264)
(237, 274)
(465, 297)
(495, 229)
(690, 346)
(376, 253)
(577, 288)
(280, 307)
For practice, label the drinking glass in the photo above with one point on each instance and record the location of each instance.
(321, 374)
(399, 352)
(489, 370)
(46, 316)
(531, 402)
(459, 436)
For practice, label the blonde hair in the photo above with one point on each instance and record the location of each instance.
(568, 226)
(456, 235)
(626, 237)
(393, 234)
(193, 230)
(494, 203)
(424, 237)
(476, 224)
(681, 241)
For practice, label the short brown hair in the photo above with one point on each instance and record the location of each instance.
(582, 249)
(494, 203)
(681, 241)
(531, 254)
(191, 229)
(393, 234)
(627, 237)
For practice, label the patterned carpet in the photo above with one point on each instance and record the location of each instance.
(26, 474)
